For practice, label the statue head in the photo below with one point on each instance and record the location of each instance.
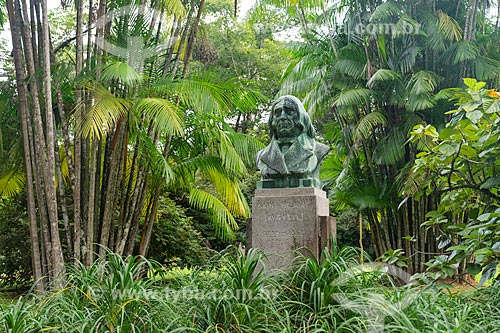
(289, 119)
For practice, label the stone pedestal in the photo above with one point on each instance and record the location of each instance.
(287, 219)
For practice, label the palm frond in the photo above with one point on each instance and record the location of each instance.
(383, 75)
(390, 150)
(368, 123)
(120, 71)
(354, 97)
(351, 61)
(351, 68)
(231, 160)
(459, 52)
(206, 92)
(224, 222)
(11, 183)
(102, 117)
(293, 4)
(420, 102)
(229, 191)
(405, 26)
(386, 10)
(485, 68)
(159, 166)
(423, 82)
(408, 58)
(449, 27)
(173, 7)
(246, 146)
(162, 114)
(446, 94)
(201, 162)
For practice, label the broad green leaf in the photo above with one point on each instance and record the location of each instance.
(488, 272)
(493, 106)
(448, 133)
(474, 116)
(490, 182)
(484, 217)
(473, 268)
(468, 151)
(448, 149)
(470, 106)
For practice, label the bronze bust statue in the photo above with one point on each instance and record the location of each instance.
(293, 157)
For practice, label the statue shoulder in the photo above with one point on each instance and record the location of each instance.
(258, 156)
(321, 150)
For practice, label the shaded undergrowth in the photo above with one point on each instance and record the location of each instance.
(234, 294)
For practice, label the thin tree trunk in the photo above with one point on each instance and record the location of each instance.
(360, 224)
(132, 194)
(136, 218)
(192, 37)
(39, 143)
(78, 159)
(23, 110)
(89, 253)
(498, 14)
(183, 37)
(50, 171)
(171, 43)
(112, 185)
(148, 227)
(64, 207)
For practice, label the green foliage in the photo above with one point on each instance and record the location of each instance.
(175, 242)
(15, 254)
(395, 257)
(337, 294)
(461, 163)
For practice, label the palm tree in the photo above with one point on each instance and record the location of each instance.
(117, 138)
(376, 84)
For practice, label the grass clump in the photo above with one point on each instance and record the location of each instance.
(235, 294)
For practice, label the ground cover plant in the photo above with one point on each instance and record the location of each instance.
(232, 294)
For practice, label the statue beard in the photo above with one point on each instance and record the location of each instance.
(288, 130)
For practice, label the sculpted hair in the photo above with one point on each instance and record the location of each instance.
(304, 119)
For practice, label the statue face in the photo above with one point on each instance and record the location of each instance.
(286, 120)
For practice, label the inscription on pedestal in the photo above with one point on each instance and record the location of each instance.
(285, 220)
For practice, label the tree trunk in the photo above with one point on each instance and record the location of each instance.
(183, 38)
(111, 186)
(77, 185)
(64, 207)
(191, 38)
(23, 110)
(50, 166)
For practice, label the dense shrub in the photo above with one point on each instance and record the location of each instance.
(336, 294)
